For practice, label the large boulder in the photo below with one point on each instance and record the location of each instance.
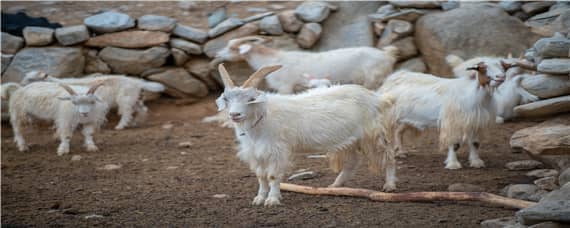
(156, 23)
(544, 108)
(180, 83)
(470, 31)
(11, 44)
(548, 138)
(546, 86)
(555, 66)
(134, 62)
(553, 207)
(109, 22)
(348, 27)
(214, 45)
(38, 36)
(200, 68)
(555, 46)
(129, 39)
(55, 61)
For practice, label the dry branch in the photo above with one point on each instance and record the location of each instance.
(411, 196)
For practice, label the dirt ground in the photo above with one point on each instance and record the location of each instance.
(160, 183)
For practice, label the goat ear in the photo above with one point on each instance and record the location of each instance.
(256, 78)
(221, 103)
(244, 49)
(483, 79)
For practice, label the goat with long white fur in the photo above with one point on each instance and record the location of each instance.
(270, 127)
(123, 93)
(509, 94)
(7, 89)
(364, 66)
(67, 106)
(462, 108)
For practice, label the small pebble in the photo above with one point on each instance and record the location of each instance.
(167, 126)
(186, 144)
(76, 157)
(221, 196)
(317, 156)
(111, 167)
(183, 153)
(171, 167)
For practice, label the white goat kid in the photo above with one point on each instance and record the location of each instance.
(67, 106)
(270, 127)
(509, 94)
(364, 66)
(461, 108)
(123, 93)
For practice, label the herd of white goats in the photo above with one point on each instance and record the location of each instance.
(340, 113)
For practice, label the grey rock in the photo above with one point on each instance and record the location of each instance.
(396, 29)
(200, 68)
(524, 165)
(256, 9)
(38, 36)
(214, 18)
(225, 26)
(550, 22)
(469, 31)
(544, 108)
(289, 21)
(406, 48)
(257, 17)
(546, 183)
(504, 222)
(133, 62)
(180, 57)
(312, 11)
(179, 81)
(214, 45)
(521, 191)
(129, 39)
(6, 59)
(309, 35)
(554, 66)
(540, 173)
(348, 27)
(521, 15)
(416, 4)
(546, 85)
(510, 6)
(11, 44)
(55, 61)
(556, 46)
(548, 225)
(189, 33)
(109, 22)
(553, 207)
(410, 15)
(71, 35)
(413, 64)
(271, 25)
(156, 23)
(564, 177)
(94, 64)
(186, 46)
(538, 195)
(462, 187)
(536, 7)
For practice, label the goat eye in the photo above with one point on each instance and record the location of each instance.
(251, 100)
(225, 99)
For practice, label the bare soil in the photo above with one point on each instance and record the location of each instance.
(158, 184)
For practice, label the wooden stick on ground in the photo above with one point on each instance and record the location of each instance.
(411, 196)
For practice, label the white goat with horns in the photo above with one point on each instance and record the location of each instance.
(67, 106)
(462, 108)
(340, 119)
(124, 93)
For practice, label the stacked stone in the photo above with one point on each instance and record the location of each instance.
(114, 43)
(544, 17)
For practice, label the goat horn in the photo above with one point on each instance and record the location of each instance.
(68, 89)
(94, 88)
(228, 83)
(254, 80)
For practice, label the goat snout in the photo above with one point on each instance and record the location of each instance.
(236, 116)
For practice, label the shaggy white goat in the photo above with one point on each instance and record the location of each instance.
(270, 127)
(121, 92)
(365, 66)
(67, 106)
(6, 90)
(509, 94)
(461, 108)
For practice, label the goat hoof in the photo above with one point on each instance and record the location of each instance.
(453, 165)
(389, 188)
(258, 200)
(477, 163)
(272, 201)
(23, 148)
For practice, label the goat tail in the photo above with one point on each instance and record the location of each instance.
(454, 60)
(152, 86)
(392, 50)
